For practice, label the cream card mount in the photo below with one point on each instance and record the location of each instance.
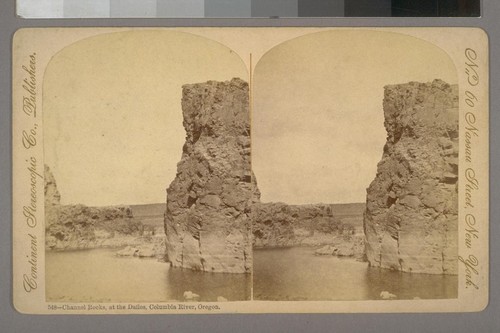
(250, 170)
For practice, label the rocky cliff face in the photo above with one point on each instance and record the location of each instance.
(282, 225)
(207, 221)
(52, 197)
(273, 225)
(72, 227)
(279, 224)
(410, 221)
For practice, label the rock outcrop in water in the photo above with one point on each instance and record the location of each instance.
(72, 227)
(313, 225)
(273, 225)
(207, 221)
(411, 215)
(279, 224)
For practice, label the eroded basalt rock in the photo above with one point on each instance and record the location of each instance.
(52, 197)
(73, 227)
(410, 222)
(273, 225)
(277, 224)
(207, 221)
(313, 225)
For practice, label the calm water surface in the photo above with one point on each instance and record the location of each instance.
(297, 274)
(100, 276)
(279, 274)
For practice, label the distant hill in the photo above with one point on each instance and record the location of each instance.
(158, 209)
(349, 209)
(149, 210)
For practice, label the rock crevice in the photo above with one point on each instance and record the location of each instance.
(411, 217)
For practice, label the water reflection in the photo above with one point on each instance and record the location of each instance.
(409, 286)
(297, 274)
(209, 285)
(100, 276)
(279, 274)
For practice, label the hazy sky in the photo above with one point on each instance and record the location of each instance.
(112, 112)
(317, 123)
(113, 119)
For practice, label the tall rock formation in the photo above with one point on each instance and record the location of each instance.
(207, 221)
(52, 197)
(410, 221)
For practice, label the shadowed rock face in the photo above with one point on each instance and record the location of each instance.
(207, 220)
(410, 221)
(273, 225)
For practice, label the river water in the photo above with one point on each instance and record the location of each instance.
(297, 274)
(99, 276)
(279, 274)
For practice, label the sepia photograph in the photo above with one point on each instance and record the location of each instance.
(355, 151)
(147, 170)
(250, 170)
